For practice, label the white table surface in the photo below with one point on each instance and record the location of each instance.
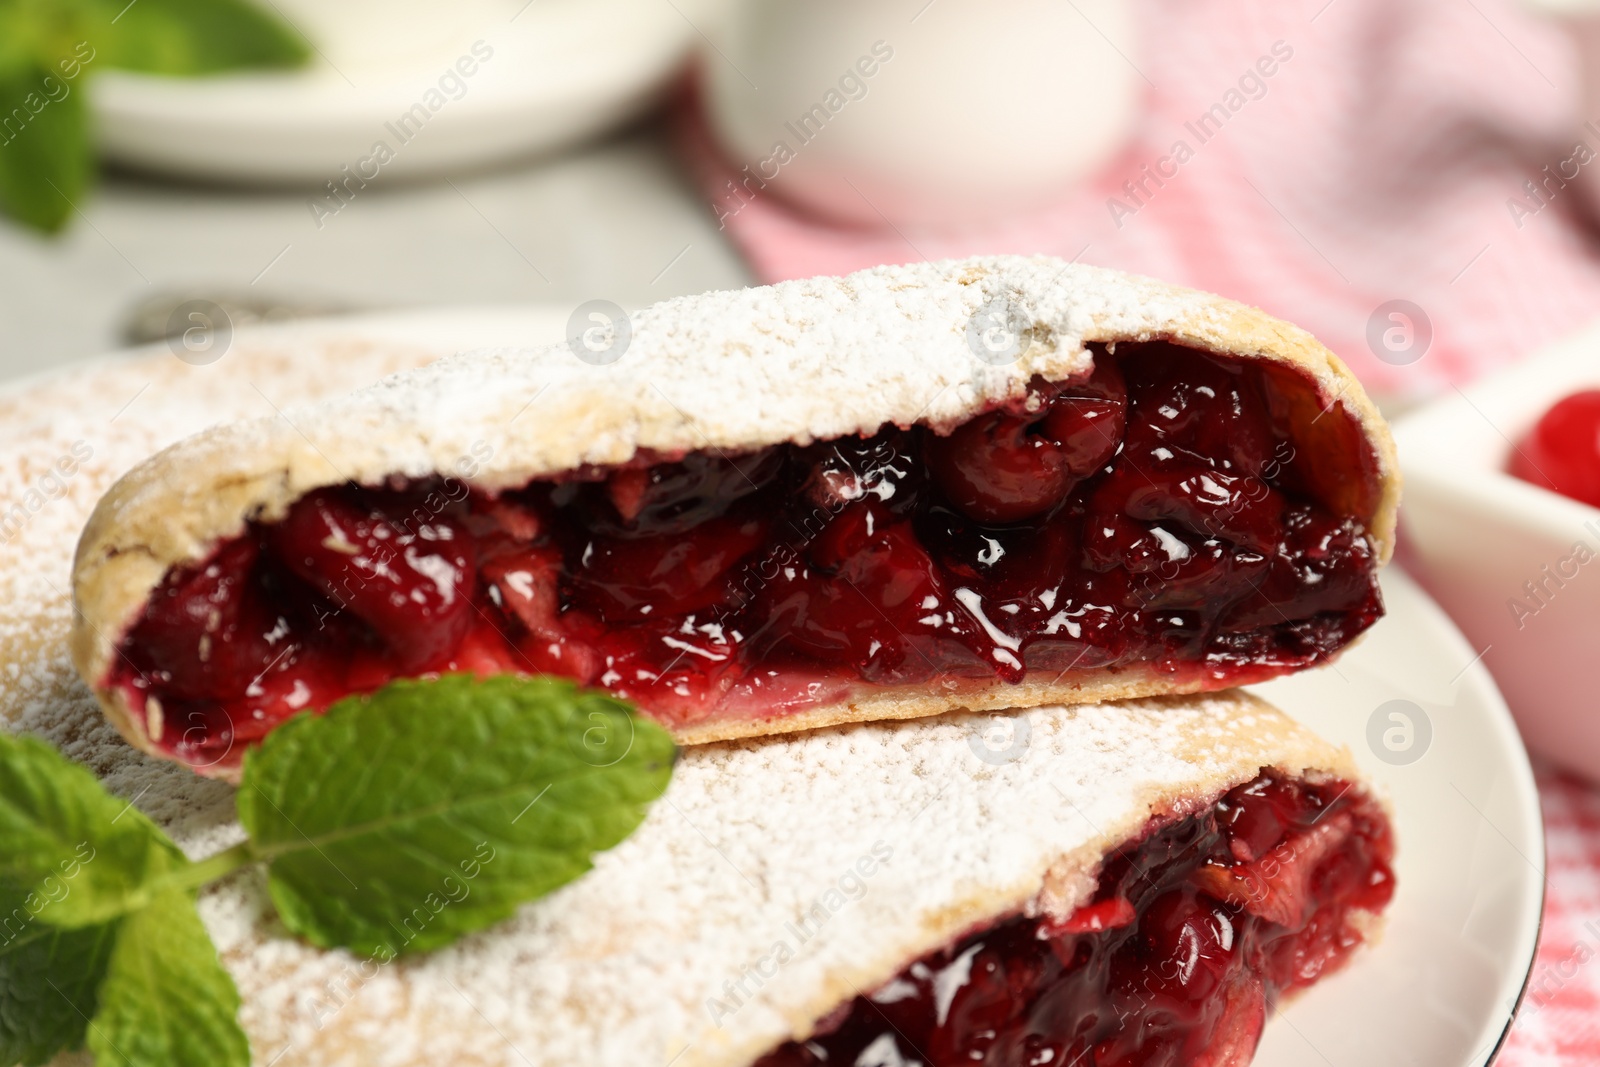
(615, 220)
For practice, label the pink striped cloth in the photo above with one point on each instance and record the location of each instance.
(1380, 164)
(1389, 159)
(1559, 1023)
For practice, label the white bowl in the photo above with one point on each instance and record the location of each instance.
(543, 73)
(1517, 566)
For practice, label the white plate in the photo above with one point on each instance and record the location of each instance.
(559, 70)
(1441, 987)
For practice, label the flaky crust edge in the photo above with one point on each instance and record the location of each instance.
(175, 507)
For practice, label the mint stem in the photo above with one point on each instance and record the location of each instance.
(212, 868)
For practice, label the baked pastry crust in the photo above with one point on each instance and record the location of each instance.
(732, 371)
(642, 960)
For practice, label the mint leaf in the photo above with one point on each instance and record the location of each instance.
(48, 49)
(400, 821)
(73, 854)
(45, 160)
(48, 984)
(186, 37)
(74, 859)
(165, 1000)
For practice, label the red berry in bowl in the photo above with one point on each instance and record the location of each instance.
(1562, 453)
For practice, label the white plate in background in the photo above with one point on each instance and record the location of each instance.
(558, 70)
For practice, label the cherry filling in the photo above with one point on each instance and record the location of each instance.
(1193, 934)
(1152, 516)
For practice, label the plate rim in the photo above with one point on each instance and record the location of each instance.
(1512, 986)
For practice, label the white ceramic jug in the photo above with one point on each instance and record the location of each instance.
(926, 114)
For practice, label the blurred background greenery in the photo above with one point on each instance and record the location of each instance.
(48, 48)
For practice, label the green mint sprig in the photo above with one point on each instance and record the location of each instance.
(393, 823)
(50, 48)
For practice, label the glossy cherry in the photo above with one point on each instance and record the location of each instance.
(1156, 969)
(1007, 466)
(1562, 452)
(207, 634)
(410, 580)
(524, 582)
(1212, 411)
(860, 595)
(669, 498)
(625, 579)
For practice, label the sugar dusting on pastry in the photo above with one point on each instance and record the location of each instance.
(739, 913)
(721, 871)
(65, 441)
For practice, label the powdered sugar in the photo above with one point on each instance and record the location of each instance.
(103, 420)
(773, 881)
(649, 958)
(832, 356)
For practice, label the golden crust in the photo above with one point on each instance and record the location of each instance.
(731, 371)
(871, 704)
